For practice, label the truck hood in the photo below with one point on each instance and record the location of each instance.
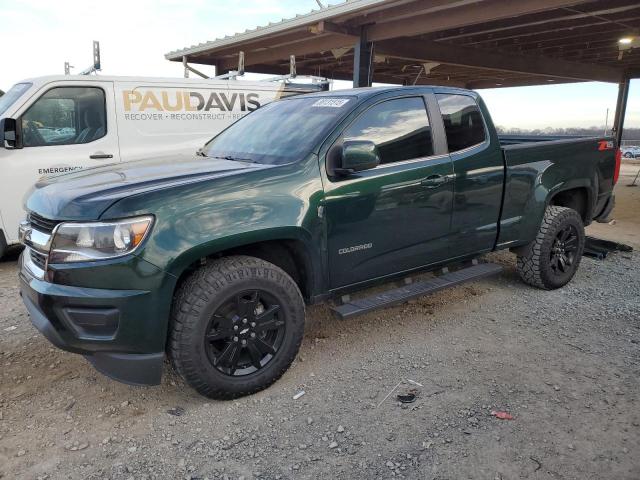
(86, 194)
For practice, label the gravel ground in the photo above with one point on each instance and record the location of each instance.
(564, 364)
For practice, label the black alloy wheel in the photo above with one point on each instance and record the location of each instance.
(236, 325)
(551, 260)
(245, 333)
(564, 250)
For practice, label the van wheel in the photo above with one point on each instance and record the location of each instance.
(551, 260)
(3, 244)
(237, 325)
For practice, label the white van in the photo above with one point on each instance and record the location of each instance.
(57, 124)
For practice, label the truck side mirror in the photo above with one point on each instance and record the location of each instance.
(9, 134)
(358, 155)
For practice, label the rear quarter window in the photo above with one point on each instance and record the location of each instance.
(463, 122)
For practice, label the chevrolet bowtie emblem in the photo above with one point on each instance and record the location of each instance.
(24, 232)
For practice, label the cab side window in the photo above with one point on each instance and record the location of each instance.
(65, 116)
(463, 122)
(400, 129)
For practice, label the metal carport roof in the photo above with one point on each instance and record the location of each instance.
(467, 43)
(462, 43)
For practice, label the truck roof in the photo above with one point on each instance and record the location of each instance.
(366, 92)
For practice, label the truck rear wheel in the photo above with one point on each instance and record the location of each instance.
(237, 325)
(551, 260)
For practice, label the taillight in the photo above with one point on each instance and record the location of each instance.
(616, 172)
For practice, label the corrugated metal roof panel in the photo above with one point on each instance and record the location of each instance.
(314, 16)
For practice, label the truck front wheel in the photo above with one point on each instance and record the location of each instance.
(237, 325)
(551, 260)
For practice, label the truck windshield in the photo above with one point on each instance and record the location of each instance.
(12, 95)
(279, 132)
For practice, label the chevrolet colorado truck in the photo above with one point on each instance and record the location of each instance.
(210, 260)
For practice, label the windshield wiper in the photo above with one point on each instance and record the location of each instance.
(235, 159)
(200, 153)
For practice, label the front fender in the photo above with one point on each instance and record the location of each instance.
(211, 247)
(202, 219)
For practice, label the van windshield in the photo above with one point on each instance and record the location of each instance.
(279, 132)
(12, 95)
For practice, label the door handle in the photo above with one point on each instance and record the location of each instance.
(100, 156)
(434, 181)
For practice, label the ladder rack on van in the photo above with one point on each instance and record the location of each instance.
(321, 83)
(93, 68)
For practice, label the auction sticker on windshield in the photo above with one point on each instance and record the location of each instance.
(330, 102)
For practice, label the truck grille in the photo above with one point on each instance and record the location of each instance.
(41, 223)
(39, 259)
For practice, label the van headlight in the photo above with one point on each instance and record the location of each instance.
(84, 242)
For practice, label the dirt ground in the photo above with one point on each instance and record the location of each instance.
(564, 364)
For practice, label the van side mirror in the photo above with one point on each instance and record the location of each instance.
(9, 134)
(358, 155)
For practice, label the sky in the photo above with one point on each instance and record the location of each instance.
(38, 36)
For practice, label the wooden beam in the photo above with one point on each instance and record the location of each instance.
(594, 52)
(596, 41)
(421, 51)
(325, 26)
(346, 74)
(329, 71)
(579, 53)
(481, 12)
(489, 79)
(535, 23)
(517, 82)
(558, 38)
(530, 34)
(314, 44)
(633, 72)
(586, 55)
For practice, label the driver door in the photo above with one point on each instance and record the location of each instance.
(395, 217)
(70, 126)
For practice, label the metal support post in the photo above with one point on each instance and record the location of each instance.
(363, 61)
(621, 108)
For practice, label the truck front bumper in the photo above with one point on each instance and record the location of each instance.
(109, 327)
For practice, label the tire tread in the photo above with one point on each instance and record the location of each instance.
(195, 293)
(529, 265)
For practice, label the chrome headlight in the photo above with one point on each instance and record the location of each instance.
(84, 242)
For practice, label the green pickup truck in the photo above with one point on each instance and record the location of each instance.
(210, 259)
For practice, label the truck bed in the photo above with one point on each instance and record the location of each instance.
(537, 167)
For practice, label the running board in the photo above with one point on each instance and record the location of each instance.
(398, 295)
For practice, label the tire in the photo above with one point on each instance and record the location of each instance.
(540, 263)
(3, 245)
(628, 155)
(236, 327)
